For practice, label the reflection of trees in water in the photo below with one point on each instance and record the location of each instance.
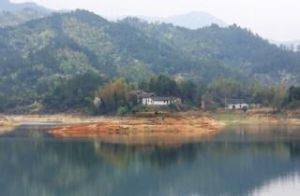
(32, 168)
(211, 168)
(157, 156)
(294, 149)
(91, 168)
(163, 158)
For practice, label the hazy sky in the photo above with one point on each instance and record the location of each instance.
(272, 19)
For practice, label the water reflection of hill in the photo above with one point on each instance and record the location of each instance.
(92, 168)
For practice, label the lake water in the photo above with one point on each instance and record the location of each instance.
(242, 160)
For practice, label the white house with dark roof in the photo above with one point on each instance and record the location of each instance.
(150, 99)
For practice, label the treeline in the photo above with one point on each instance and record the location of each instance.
(116, 96)
(91, 93)
(268, 96)
(58, 94)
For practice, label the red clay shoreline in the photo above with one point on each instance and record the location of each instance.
(131, 130)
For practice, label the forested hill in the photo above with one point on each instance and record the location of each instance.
(37, 55)
(234, 49)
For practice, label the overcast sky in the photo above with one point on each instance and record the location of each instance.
(272, 19)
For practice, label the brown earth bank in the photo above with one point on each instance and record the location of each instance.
(165, 129)
(6, 124)
(147, 128)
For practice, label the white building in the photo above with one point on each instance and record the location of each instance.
(159, 101)
(150, 99)
(236, 104)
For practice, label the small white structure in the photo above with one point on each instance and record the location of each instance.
(97, 102)
(150, 99)
(159, 101)
(236, 104)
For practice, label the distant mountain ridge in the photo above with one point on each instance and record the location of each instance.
(17, 13)
(12, 14)
(194, 20)
(191, 20)
(13, 18)
(6, 5)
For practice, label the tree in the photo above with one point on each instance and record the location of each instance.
(279, 96)
(261, 94)
(115, 96)
(161, 85)
(188, 91)
(222, 88)
(293, 94)
(72, 93)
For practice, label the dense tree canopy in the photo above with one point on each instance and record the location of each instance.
(115, 97)
(72, 93)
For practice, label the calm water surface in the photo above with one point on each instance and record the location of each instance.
(242, 160)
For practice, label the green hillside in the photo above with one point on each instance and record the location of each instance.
(234, 49)
(39, 55)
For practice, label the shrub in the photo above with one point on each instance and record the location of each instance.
(122, 110)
